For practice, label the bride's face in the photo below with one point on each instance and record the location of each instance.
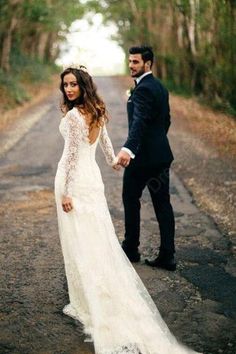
(71, 87)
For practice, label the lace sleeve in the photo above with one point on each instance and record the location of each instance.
(73, 135)
(107, 147)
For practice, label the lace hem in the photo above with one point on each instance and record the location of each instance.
(71, 312)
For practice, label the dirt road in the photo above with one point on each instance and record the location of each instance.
(197, 301)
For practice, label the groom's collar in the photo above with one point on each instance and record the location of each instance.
(138, 79)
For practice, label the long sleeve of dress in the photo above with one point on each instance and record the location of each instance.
(73, 137)
(107, 147)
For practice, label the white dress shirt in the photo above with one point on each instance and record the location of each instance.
(138, 79)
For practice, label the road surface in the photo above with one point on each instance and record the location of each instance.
(197, 301)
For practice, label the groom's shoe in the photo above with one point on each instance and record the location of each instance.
(134, 257)
(161, 262)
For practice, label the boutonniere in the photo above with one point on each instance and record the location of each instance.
(129, 91)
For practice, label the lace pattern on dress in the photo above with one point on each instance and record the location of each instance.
(76, 132)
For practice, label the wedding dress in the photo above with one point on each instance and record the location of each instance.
(105, 293)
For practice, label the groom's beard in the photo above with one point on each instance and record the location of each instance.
(136, 74)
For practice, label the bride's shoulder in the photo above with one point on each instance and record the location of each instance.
(72, 114)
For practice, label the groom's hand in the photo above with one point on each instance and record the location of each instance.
(123, 158)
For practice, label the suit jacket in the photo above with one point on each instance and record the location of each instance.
(149, 121)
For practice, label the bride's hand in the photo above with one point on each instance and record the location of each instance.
(116, 165)
(67, 204)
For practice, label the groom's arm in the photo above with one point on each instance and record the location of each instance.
(143, 102)
(128, 151)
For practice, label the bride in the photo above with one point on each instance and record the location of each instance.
(105, 293)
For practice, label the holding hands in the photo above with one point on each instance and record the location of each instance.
(122, 159)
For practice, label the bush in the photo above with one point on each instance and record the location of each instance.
(24, 71)
(12, 90)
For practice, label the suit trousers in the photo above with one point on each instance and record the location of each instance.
(157, 181)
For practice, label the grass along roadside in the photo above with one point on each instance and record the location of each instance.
(215, 128)
(204, 145)
(37, 92)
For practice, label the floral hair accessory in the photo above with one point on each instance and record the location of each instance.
(76, 66)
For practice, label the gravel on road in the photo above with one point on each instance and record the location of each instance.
(197, 301)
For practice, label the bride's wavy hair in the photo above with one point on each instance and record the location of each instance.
(89, 101)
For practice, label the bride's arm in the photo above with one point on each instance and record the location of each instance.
(107, 147)
(73, 135)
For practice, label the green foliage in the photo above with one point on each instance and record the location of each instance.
(36, 12)
(11, 87)
(29, 69)
(194, 41)
(24, 70)
(29, 35)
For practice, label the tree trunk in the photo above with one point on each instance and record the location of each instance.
(6, 45)
(192, 27)
(42, 44)
(52, 48)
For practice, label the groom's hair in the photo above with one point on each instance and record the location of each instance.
(145, 51)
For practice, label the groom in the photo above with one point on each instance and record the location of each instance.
(147, 157)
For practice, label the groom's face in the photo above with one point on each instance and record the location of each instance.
(136, 65)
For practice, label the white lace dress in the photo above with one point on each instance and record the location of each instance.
(106, 294)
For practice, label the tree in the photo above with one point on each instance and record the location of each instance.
(12, 7)
(193, 40)
(34, 27)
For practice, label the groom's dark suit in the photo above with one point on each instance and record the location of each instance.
(149, 121)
